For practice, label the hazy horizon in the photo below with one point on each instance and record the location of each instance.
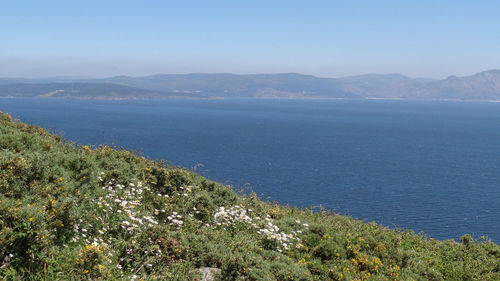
(84, 77)
(321, 38)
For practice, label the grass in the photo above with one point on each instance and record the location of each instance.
(72, 212)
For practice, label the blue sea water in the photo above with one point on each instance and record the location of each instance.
(426, 166)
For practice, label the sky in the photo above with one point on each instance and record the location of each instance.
(89, 38)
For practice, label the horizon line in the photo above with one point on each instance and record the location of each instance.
(83, 77)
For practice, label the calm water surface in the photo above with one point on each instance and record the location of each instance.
(427, 166)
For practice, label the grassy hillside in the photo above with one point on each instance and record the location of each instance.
(71, 212)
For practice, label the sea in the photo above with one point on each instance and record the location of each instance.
(428, 166)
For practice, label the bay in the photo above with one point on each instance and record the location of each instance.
(425, 166)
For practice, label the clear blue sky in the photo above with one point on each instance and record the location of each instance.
(323, 38)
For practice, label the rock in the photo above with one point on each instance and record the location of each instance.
(208, 273)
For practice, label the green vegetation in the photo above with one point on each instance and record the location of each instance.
(70, 212)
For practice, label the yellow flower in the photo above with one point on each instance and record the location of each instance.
(32, 219)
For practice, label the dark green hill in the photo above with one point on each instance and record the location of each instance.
(72, 212)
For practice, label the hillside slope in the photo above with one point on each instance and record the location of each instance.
(72, 212)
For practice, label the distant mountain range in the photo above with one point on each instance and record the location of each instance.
(84, 90)
(481, 86)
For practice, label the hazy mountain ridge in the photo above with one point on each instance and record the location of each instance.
(83, 90)
(481, 86)
(379, 85)
(233, 85)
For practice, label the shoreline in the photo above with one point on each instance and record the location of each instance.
(250, 98)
